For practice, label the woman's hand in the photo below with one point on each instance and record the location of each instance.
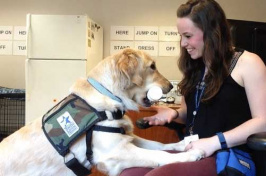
(164, 115)
(208, 145)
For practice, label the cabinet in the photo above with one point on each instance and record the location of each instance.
(249, 35)
(156, 133)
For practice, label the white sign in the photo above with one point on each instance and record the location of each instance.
(20, 33)
(5, 47)
(146, 33)
(6, 32)
(149, 47)
(19, 48)
(168, 33)
(169, 48)
(68, 124)
(116, 46)
(122, 33)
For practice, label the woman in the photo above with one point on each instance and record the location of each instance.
(223, 88)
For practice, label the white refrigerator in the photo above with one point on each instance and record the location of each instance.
(60, 49)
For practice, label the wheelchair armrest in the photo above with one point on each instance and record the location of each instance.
(257, 141)
(178, 127)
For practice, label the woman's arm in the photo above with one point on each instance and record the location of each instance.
(166, 114)
(181, 116)
(250, 73)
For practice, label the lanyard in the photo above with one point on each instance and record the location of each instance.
(198, 95)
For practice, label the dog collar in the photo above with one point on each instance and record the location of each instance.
(100, 88)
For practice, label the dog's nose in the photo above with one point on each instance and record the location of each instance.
(167, 88)
(171, 86)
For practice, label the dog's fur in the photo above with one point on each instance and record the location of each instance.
(128, 75)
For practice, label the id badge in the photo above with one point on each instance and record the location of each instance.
(191, 138)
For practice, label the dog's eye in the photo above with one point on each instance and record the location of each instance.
(153, 66)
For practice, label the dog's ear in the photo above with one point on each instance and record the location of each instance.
(137, 80)
(128, 65)
(129, 51)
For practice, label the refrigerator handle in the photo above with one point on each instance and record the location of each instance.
(28, 80)
(28, 28)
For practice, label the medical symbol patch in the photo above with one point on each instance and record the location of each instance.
(68, 124)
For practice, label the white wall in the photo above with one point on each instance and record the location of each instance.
(110, 13)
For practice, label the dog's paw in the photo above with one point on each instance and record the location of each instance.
(175, 146)
(195, 154)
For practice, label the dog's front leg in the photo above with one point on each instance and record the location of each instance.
(179, 146)
(153, 145)
(132, 156)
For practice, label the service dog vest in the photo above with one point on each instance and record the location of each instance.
(68, 120)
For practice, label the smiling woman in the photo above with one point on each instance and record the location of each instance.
(220, 94)
(191, 37)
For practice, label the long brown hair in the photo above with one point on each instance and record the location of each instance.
(218, 50)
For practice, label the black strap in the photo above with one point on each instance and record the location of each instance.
(101, 114)
(74, 164)
(118, 114)
(237, 54)
(99, 128)
(77, 168)
(88, 143)
(109, 129)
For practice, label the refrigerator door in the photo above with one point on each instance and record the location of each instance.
(56, 36)
(47, 82)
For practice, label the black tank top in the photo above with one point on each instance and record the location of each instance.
(226, 110)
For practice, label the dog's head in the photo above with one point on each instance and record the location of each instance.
(136, 72)
(128, 75)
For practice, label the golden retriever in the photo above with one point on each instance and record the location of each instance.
(128, 75)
